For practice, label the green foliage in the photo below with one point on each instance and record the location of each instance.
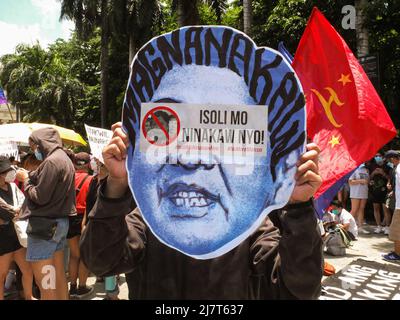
(383, 23)
(62, 83)
(285, 20)
(233, 16)
(59, 85)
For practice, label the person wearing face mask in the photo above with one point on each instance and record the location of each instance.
(343, 218)
(377, 192)
(50, 194)
(11, 200)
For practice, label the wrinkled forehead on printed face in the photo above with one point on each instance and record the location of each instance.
(265, 74)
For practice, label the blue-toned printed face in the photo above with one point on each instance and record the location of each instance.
(206, 210)
(194, 208)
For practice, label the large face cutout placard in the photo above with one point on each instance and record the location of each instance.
(204, 208)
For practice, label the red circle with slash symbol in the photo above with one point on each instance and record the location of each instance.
(156, 126)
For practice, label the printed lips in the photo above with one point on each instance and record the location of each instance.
(189, 198)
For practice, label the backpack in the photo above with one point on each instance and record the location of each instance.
(335, 244)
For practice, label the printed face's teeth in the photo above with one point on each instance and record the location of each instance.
(179, 202)
(192, 194)
(194, 202)
(203, 202)
(186, 202)
(190, 202)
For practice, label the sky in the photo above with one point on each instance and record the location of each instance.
(29, 21)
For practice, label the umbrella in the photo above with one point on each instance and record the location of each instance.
(20, 132)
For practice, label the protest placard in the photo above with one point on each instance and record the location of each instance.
(9, 149)
(98, 138)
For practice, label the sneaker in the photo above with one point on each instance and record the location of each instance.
(363, 231)
(73, 290)
(391, 256)
(378, 230)
(386, 230)
(84, 291)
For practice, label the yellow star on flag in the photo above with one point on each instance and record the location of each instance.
(334, 141)
(344, 79)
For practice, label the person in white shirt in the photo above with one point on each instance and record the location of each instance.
(343, 218)
(358, 182)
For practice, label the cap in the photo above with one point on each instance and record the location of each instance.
(392, 154)
(82, 158)
(5, 164)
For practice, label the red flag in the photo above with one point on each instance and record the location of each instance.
(345, 115)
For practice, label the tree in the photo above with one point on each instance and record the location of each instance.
(247, 16)
(87, 14)
(383, 23)
(219, 7)
(58, 85)
(361, 30)
(139, 20)
(188, 12)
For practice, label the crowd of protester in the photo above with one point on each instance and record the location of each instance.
(56, 195)
(74, 177)
(373, 182)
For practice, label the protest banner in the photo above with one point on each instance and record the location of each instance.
(98, 138)
(216, 126)
(215, 133)
(363, 280)
(9, 149)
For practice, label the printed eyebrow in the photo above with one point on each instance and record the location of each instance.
(168, 100)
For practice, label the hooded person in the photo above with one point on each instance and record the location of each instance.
(50, 194)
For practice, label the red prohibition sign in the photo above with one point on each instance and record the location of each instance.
(152, 121)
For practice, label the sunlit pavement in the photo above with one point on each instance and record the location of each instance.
(368, 246)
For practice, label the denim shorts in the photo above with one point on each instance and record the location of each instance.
(39, 249)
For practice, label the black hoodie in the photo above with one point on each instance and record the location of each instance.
(51, 187)
(281, 260)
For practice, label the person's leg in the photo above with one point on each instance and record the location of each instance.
(73, 260)
(377, 214)
(5, 261)
(83, 274)
(111, 288)
(387, 215)
(340, 195)
(45, 275)
(361, 211)
(355, 206)
(397, 247)
(61, 280)
(18, 282)
(27, 274)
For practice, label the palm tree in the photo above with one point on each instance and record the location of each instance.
(361, 30)
(137, 19)
(88, 14)
(42, 84)
(247, 16)
(219, 7)
(188, 12)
